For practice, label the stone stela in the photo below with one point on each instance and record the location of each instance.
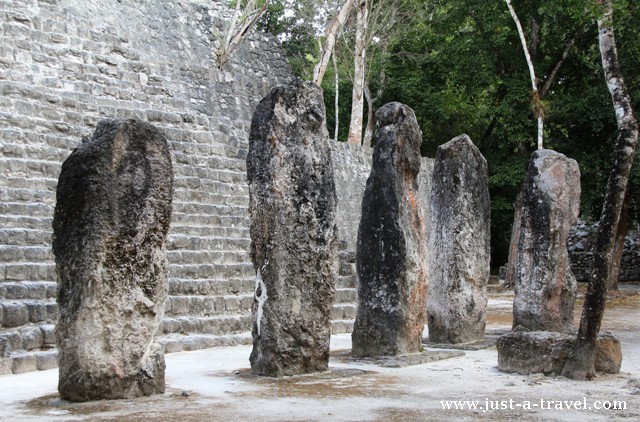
(545, 288)
(391, 258)
(110, 226)
(293, 232)
(459, 244)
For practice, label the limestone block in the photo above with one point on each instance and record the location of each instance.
(545, 287)
(546, 352)
(459, 244)
(110, 225)
(391, 258)
(293, 232)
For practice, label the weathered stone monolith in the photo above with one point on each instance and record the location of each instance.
(391, 260)
(293, 232)
(545, 287)
(547, 351)
(459, 244)
(109, 229)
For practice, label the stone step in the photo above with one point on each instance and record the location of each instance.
(207, 306)
(18, 254)
(213, 231)
(346, 281)
(217, 174)
(345, 295)
(183, 210)
(25, 237)
(347, 268)
(342, 326)
(199, 218)
(19, 312)
(209, 257)
(32, 209)
(28, 271)
(232, 185)
(219, 325)
(178, 343)
(212, 287)
(178, 241)
(342, 311)
(193, 196)
(20, 362)
(28, 290)
(210, 271)
(26, 222)
(27, 338)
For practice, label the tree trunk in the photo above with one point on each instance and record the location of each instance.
(536, 100)
(580, 364)
(371, 116)
(238, 32)
(336, 103)
(514, 244)
(330, 35)
(357, 96)
(616, 260)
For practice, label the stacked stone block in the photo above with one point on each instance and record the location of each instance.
(66, 65)
(63, 67)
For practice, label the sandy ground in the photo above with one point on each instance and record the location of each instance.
(215, 385)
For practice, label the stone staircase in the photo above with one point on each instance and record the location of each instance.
(211, 278)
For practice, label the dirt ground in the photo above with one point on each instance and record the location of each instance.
(215, 385)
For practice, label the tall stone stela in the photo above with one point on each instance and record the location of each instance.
(545, 288)
(459, 244)
(390, 258)
(293, 232)
(113, 209)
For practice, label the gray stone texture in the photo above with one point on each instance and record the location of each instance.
(65, 66)
(581, 241)
(546, 352)
(293, 232)
(112, 215)
(458, 244)
(391, 259)
(545, 287)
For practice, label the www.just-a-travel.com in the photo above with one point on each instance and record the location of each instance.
(488, 405)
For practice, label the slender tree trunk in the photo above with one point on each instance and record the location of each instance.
(330, 35)
(580, 364)
(371, 116)
(357, 96)
(537, 106)
(514, 244)
(237, 32)
(616, 260)
(336, 103)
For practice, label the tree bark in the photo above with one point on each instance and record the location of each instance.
(357, 96)
(371, 116)
(580, 364)
(537, 106)
(336, 102)
(330, 35)
(618, 249)
(237, 33)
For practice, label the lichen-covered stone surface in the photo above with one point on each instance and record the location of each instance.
(546, 352)
(293, 232)
(459, 244)
(110, 225)
(391, 258)
(545, 287)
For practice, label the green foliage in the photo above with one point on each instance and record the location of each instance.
(459, 64)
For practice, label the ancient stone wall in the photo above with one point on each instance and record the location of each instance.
(581, 241)
(64, 65)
